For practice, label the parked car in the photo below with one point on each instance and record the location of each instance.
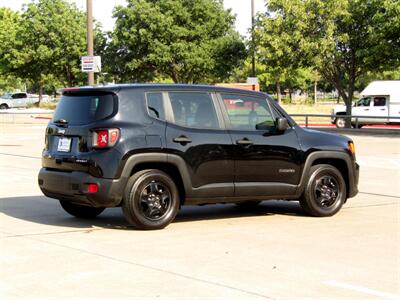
(153, 148)
(15, 100)
(378, 99)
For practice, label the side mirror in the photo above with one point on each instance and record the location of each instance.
(282, 124)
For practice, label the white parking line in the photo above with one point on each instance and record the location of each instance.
(363, 290)
(378, 162)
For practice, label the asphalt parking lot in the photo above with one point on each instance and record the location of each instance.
(209, 252)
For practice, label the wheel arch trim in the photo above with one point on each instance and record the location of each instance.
(156, 157)
(335, 155)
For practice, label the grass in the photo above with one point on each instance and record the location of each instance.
(322, 109)
(44, 105)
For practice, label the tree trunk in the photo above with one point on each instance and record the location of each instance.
(40, 93)
(278, 92)
(291, 95)
(315, 92)
(174, 74)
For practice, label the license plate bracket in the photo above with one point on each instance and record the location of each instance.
(64, 144)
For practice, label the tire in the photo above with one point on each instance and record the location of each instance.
(81, 211)
(3, 106)
(143, 205)
(340, 122)
(247, 204)
(333, 195)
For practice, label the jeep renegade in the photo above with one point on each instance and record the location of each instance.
(151, 148)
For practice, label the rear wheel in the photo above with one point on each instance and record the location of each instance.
(325, 192)
(151, 200)
(81, 211)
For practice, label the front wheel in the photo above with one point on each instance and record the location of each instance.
(340, 122)
(3, 106)
(151, 200)
(81, 211)
(325, 192)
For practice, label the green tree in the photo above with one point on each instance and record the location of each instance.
(343, 39)
(10, 22)
(49, 43)
(185, 40)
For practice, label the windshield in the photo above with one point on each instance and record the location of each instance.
(6, 96)
(84, 109)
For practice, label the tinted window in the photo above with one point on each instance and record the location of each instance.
(379, 101)
(155, 105)
(247, 112)
(194, 110)
(84, 109)
(19, 96)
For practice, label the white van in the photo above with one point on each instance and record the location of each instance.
(378, 99)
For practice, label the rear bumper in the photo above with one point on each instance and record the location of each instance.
(72, 187)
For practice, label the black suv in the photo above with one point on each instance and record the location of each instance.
(152, 148)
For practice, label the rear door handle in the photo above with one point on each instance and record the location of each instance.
(244, 142)
(366, 109)
(383, 108)
(182, 140)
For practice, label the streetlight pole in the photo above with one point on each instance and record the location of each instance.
(89, 13)
(253, 50)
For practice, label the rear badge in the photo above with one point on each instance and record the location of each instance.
(287, 171)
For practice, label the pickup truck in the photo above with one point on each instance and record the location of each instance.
(378, 99)
(15, 100)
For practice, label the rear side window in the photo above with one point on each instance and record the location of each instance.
(379, 101)
(19, 96)
(85, 109)
(192, 109)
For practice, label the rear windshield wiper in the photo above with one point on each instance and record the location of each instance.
(61, 122)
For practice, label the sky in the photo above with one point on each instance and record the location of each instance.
(102, 10)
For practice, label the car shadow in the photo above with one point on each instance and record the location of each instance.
(46, 211)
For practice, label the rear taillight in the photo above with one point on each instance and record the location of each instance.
(105, 138)
(92, 188)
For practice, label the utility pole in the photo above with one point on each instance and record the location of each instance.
(89, 13)
(253, 50)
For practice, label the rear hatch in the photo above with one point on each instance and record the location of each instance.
(69, 135)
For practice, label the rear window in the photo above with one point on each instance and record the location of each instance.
(84, 109)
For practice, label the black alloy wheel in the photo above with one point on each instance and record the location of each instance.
(325, 192)
(155, 200)
(151, 200)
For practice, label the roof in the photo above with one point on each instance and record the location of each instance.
(197, 87)
(383, 88)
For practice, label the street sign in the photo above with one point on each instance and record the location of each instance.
(91, 64)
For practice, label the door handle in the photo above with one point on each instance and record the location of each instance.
(366, 109)
(383, 108)
(244, 142)
(182, 140)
